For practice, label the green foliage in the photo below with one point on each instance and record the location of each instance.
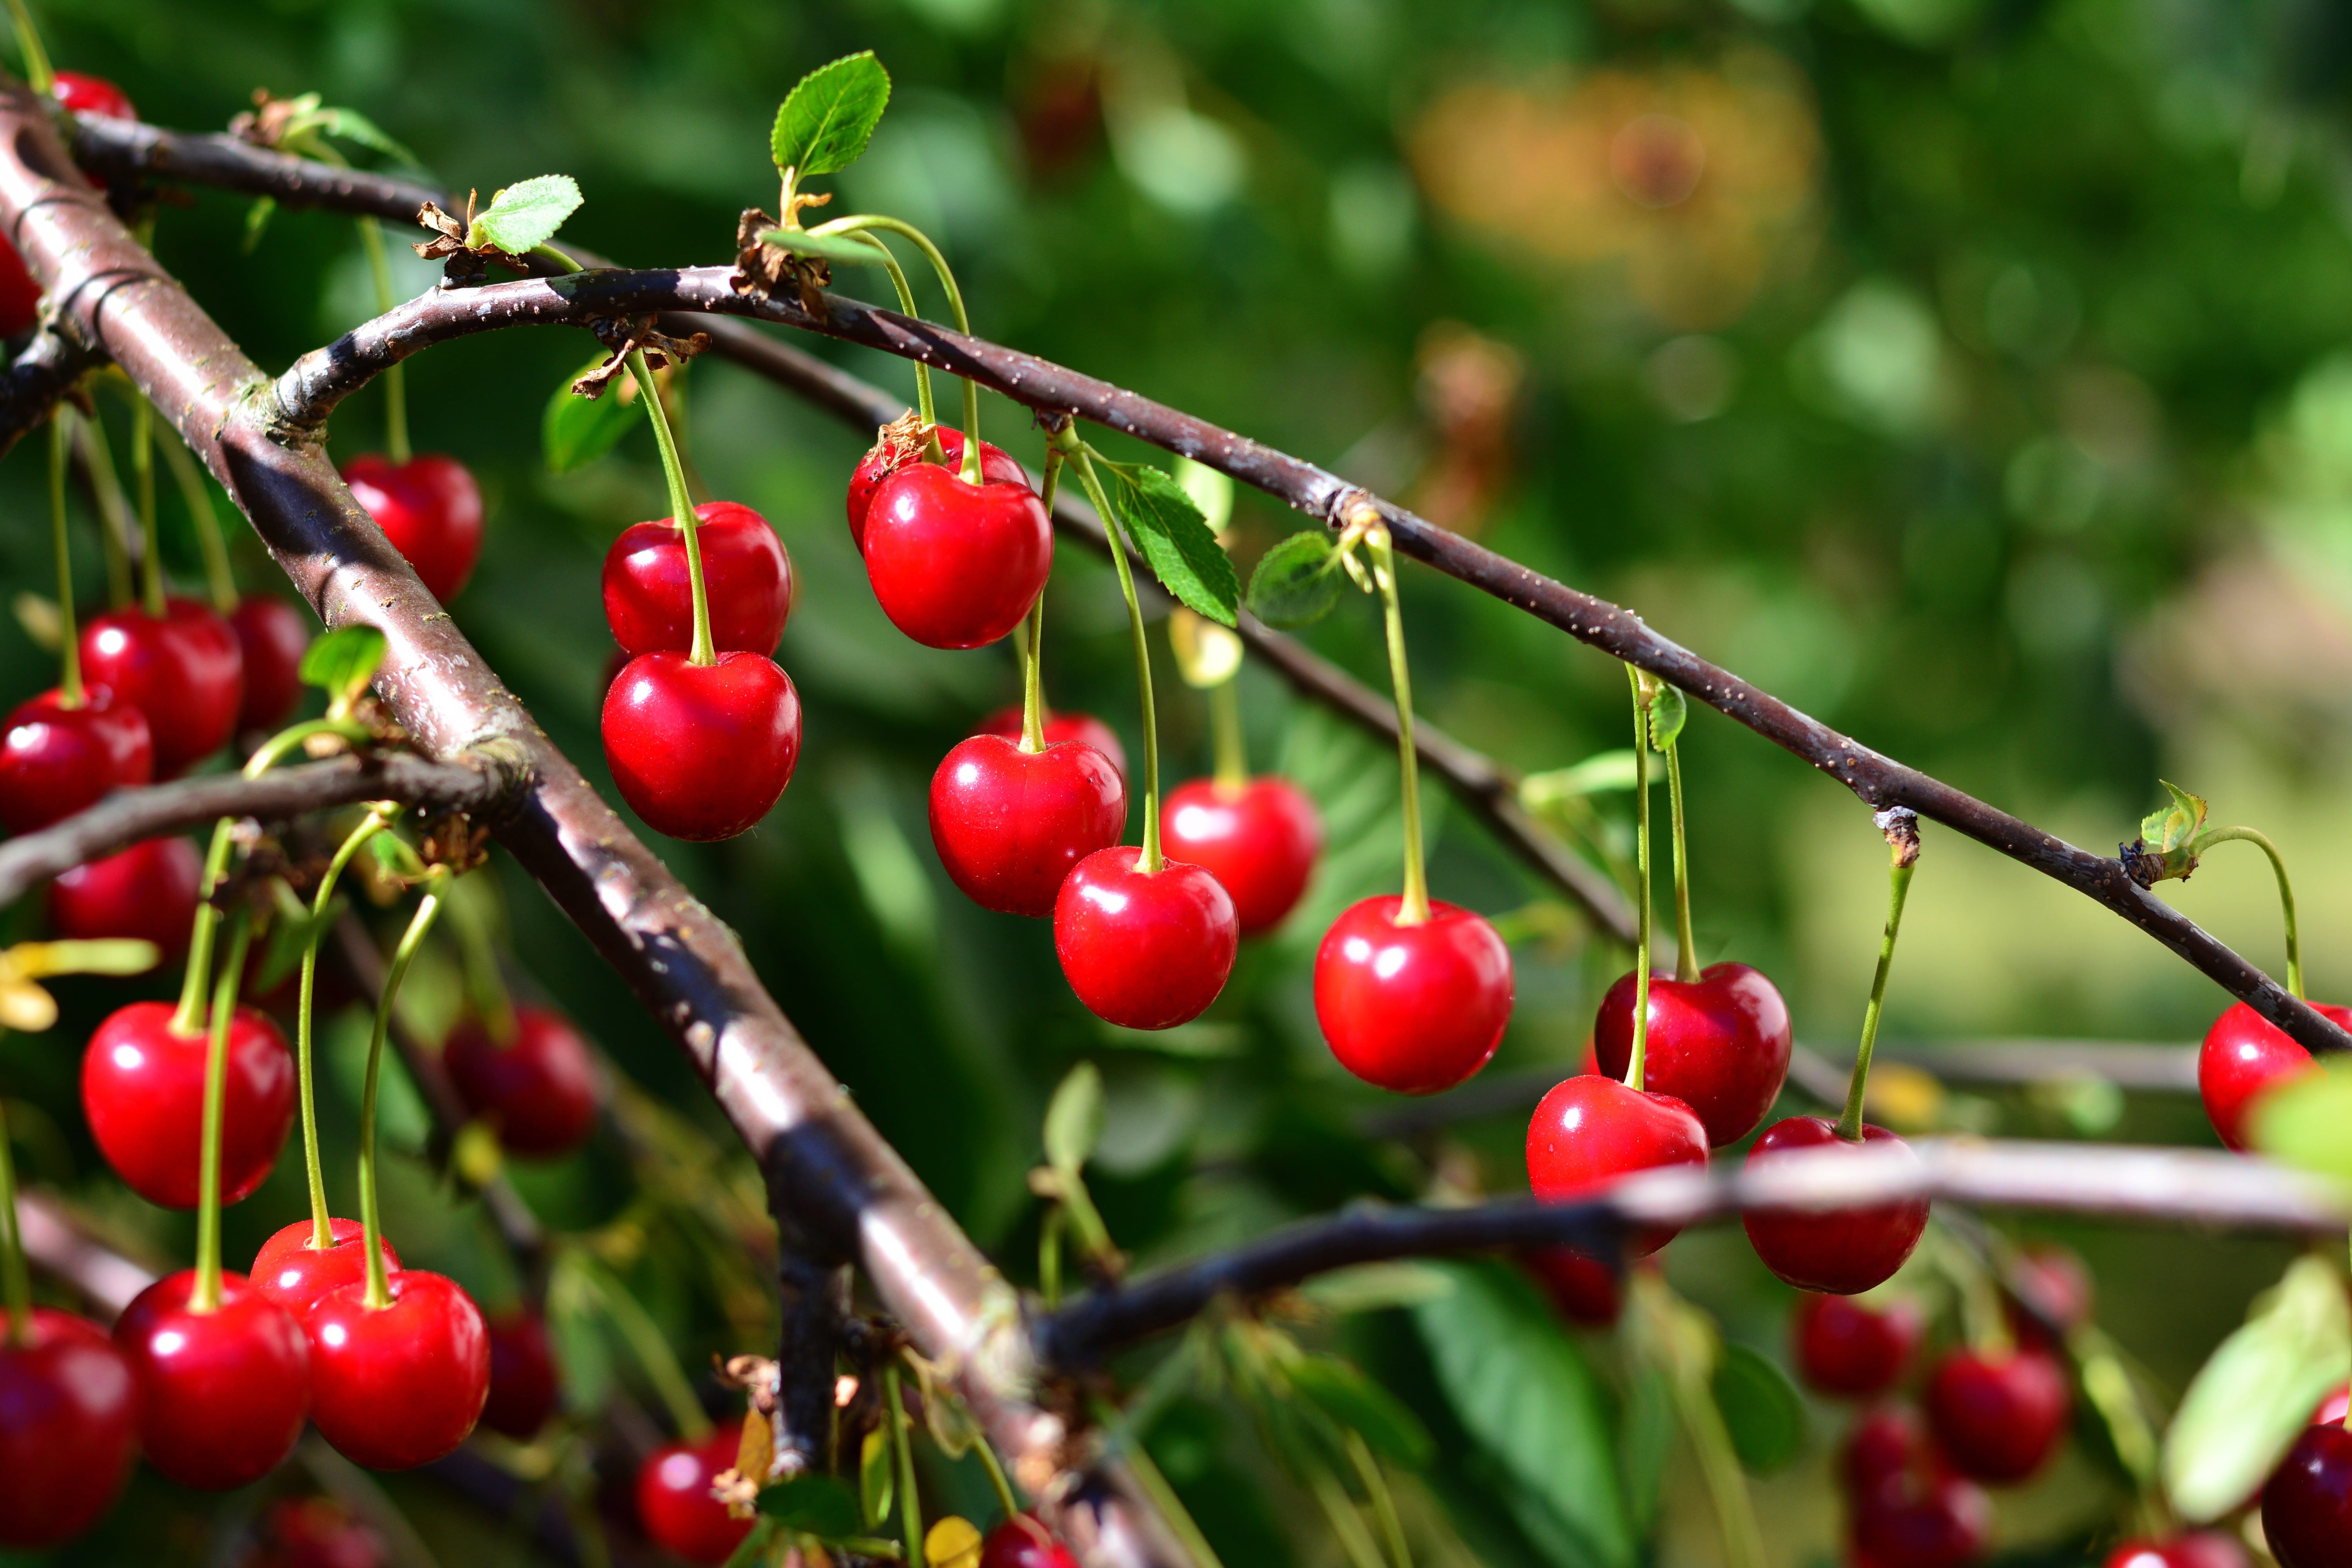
(342, 662)
(1160, 516)
(821, 1505)
(824, 125)
(2302, 1122)
(1669, 712)
(841, 249)
(1297, 583)
(575, 431)
(1762, 1409)
(2257, 1393)
(1362, 1406)
(2167, 836)
(1073, 1121)
(525, 215)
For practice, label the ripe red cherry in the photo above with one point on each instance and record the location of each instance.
(1143, 950)
(183, 670)
(523, 1381)
(538, 1091)
(148, 891)
(2308, 1501)
(1060, 725)
(1997, 1415)
(272, 635)
(319, 1532)
(747, 579)
(225, 1390)
(143, 1089)
(1412, 1008)
(675, 1507)
(1886, 1447)
(69, 1420)
(20, 296)
(1586, 1291)
(2244, 1055)
(430, 508)
(1023, 1542)
(1932, 1521)
(1591, 1130)
(56, 761)
(1843, 1251)
(1009, 824)
(881, 461)
(1720, 1044)
(2200, 1549)
(956, 565)
(2063, 1286)
(398, 1386)
(701, 751)
(294, 1274)
(1260, 839)
(87, 94)
(1849, 1351)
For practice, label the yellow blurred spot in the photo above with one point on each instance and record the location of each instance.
(953, 1543)
(1905, 1099)
(1207, 654)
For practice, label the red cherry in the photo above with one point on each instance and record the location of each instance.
(523, 1381)
(2334, 1407)
(1260, 839)
(1591, 1130)
(1587, 1292)
(746, 577)
(1998, 1415)
(2203, 1549)
(399, 1386)
(1940, 1521)
(1412, 1008)
(148, 891)
(1143, 950)
(272, 635)
(226, 1390)
(20, 296)
(882, 460)
(317, 1532)
(2308, 1501)
(2244, 1055)
(675, 1507)
(701, 751)
(2061, 1283)
(56, 761)
(1009, 824)
(184, 670)
(294, 1274)
(1023, 1542)
(1886, 1447)
(1848, 1350)
(1060, 725)
(86, 94)
(539, 1089)
(956, 565)
(429, 507)
(68, 1419)
(1843, 1251)
(143, 1089)
(1720, 1044)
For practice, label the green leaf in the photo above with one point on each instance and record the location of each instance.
(826, 121)
(1294, 584)
(342, 662)
(1211, 490)
(1175, 539)
(1669, 712)
(352, 126)
(1073, 1121)
(1761, 1407)
(874, 1477)
(1355, 1401)
(257, 221)
(1648, 1440)
(817, 1505)
(1602, 772)
(1377, 1287)
(2165, 836)
(2256, 1392)
(841, 249)
(525, 215)
(2302, 1122)
(575, 431)
(755, 1549)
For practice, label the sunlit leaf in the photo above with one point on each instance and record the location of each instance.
(825, 122)
(841, 249)
(1294, 584)
(575, 431)
(1364, 1407)
(1211, 490)
(1669, 712)
(876, 1482)
(819, 1505)
(343, 661)
(1073, 1121)
(1167, 528)
(1762, 1409)
(526, 213)
(2257, 1391)
(2302, 1121)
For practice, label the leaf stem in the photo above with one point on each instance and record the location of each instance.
(652, 1352)
(911, 1506)
(16, 1279)
(864, 221)
(1633, 1067)
(1413, 910)
(114, 512)
(218, 579)
(70, 644)
(379, 817)
(1686, 968)
(2205, 841)
(395, 391)
(379, 1283)
(207, 1296)
(1898, 878)
(681, 505)
(1151, 861)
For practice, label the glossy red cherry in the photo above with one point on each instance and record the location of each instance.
(523, 1383)
(1009, 824)
(1998, 1415)
(398, 1386)
(538, 1090)
(675, 1507)
(1842, 1251)
(20, 295)
(1591, 1130)
(272, 635)
(746, 578)
(1720, 1044)
(1849, 1351)
(883, 459)
(701, 751)
(1587, 1292)
(56, 761)
(2308, 1501)
(143, 1089)
(2199, 1548)
(1413, 1008)
(956, 565)
(86, 94)
(2244, 1055)
(1260, 839)
(1932, 1521)
(1060, 725)
(430, 508)
(1023, 1542)
(69, 1421)
(183, 670)
(1143, 950)
(147, 892)
(294, 1274)
(2061, 1284)
(225, 1390)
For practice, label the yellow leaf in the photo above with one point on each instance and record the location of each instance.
(953, 1543)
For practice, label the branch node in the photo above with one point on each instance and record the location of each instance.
(1901, 826)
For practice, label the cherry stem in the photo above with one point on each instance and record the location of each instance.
(68, 644)
(29, 43)
(379, 817)
(114, 512)
(911, 1506)
(142, 478)
(1686, 950)
(996, 1480)
(2205, 841)
(1633, 1066)
(1032, 643)
(648, 1344)
(188, 1018)
(395, 392)
(16, 1279)
(485, 988)
(1898, 878)
(379, 1283)
(197, 497)
(1413, 910)
(1151, 861)
(1225, 727)
(681, 505)
(207, 1296)
(924, 405)
(863, 221)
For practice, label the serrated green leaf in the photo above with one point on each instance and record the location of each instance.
(575, 431)
(2302, 1122)
(1364, 1407)
(342, 662)
(1669, 712)
(525, 215)
(2165, 834)
(1073, 1121)
(1294, 584)
(825, 122)
(2256, 1392)
(841, 249)
(1762, 1409)
(1176, 541)
(817, 1505)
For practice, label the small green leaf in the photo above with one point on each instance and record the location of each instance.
(575, 431)
(1669, 712)
(1363, 1406)
(874, 1477)
(841, 249)
(525, 215)
(1175, 539)
(1073, 1121)
(817, 1505)
(1761, 1407)
(2256, 1392)
(825, 124)
(257, 221)
(352, 126)
(2302, 1121)
(1603, 773)
(1211, 490)
(1646, 1439)
(756, 1549)
(341, 663)
(1293, 584)
(2164, 836)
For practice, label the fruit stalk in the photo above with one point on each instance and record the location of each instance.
(924, 406)
(1637, 1058)
(2205, 841)
(142, 478)
(218, 580)
(1032, 637)
(16, 1279)
(1686, 950)
(1413, 910)
(114, 512)
(206, 1295)
(864, 221)
(485, 988)
(1901, 826)
(38, 71)
(995, 1469)
(1225, 730)
(395, 392)
(1151, 860)
(911, 1506)
(681, 505)
(69, 645)
(189, 1016)
(379, 817)
(379, 1283)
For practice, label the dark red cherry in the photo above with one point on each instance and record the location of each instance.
(675, 1507)
(225, 1390)
(1886, 1448)
(1260, 839)
(1842, 1251)
(884, 460)
(319, 1532)
(538, 1090)
(1009, 824)
(183, 670)
(142, 1090)
(2062, 1286)
(1931, 1521)
(87, 94)
(1591, 1130)
(1849, 1351)
(295, 1274)
(56, 761)
(2199, 1548)
(1998, 1415)
(1720, 1044)
(2244, 1055)
(272, 635)
(1060, 725)
(1413, 1008)
(398, 1386)
(523, 1381)
(148, 891)
(68, 1423)
(430, 508)
(20, 295)
(956, 565)
(2308, 1501)
(1023, 1542)
(1586, 1291)
(1144, 950)
(746, 577)
(701, 751)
